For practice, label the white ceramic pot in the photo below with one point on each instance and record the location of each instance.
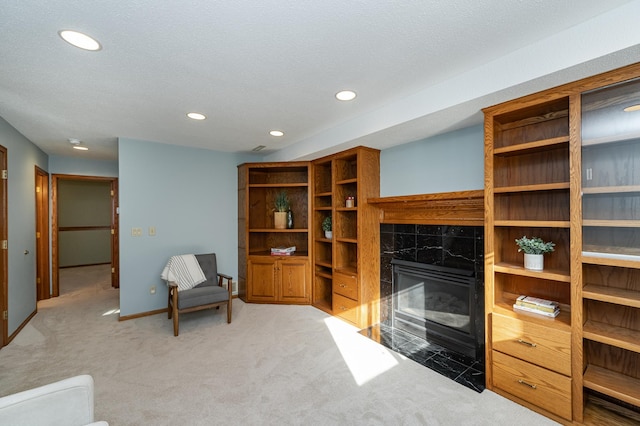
(535, 262)
(328, 234)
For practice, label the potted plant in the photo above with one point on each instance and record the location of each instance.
(326, 227)
(282, 205)
(534, 248)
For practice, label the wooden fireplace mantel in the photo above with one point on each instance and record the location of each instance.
(443, 208)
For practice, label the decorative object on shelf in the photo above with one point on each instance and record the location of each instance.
(283, 251)
(536, 305)
(350, 202)
(534, 248)
(289, 219)
(282, 206)
(326, 227)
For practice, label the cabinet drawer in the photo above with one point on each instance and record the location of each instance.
(345, 308)
(346, 285)
(537, 385)
(544, 346)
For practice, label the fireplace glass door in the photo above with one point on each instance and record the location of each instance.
(435, 303)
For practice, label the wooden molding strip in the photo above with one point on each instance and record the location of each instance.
(443, 208)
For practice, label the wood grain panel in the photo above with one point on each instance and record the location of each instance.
(450, 208)
(546, 389)
(547, 347)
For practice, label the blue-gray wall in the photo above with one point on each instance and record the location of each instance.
(79, 166)
(452, 161)
(22, 157)
(190, 196)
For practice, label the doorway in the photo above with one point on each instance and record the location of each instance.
(3, 247)
(43, 290)
(106, 229)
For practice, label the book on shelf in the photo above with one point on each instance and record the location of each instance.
(281, 254)
(537, 304)
(283, 249)
(520, 308)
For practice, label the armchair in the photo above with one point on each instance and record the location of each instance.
(206, 295)
(66, 402)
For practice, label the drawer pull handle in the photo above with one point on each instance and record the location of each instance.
(522, 382)
(342, 285)
(524, 342)
(343, 308)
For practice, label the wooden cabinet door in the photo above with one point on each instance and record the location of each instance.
(294, 280)
(262, 279)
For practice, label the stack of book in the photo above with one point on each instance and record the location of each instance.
(283, 251)
(536, 305)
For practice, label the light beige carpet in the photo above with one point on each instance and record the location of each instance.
(273, 365)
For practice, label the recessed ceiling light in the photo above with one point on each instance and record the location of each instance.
(196, 116)
(77, 144)
(632, 108)
(346, 95)
(276, 133)
(80, 40)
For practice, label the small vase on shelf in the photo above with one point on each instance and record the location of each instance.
(534, 248)
(535, 262)
(289, 219)
(280, 220)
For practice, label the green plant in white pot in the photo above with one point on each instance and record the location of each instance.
(534, 248)
(326, 227)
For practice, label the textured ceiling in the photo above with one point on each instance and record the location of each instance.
(256, 65)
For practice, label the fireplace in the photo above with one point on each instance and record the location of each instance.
(449, 260)
(435, 303)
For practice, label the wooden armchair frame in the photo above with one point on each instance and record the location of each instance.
(174, 301)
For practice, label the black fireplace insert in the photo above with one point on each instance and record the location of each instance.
(436, 303)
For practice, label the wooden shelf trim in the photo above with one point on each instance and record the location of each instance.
(531, 146)
(624, 388)
(562, 321)
(347, 181)
(323, 194)
(532, 188)
(619, 296)
(547, 274)
(298, 253)
(611, 256)
(611, 223)
(452, 208)
(619, 337)
(611, 139)
(347, 240)
(278, 185)
(323, 274)
(278, 230)
(596, 190)
(534, 223)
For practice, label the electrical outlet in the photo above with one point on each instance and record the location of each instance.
(152, 289)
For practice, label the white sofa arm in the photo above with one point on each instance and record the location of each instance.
(67, 402)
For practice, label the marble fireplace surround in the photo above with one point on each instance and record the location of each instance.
(445, 229)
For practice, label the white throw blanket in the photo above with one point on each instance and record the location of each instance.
(183, 270)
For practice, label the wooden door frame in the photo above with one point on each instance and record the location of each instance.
(4, 332)
(115, 252)
(43, 289)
